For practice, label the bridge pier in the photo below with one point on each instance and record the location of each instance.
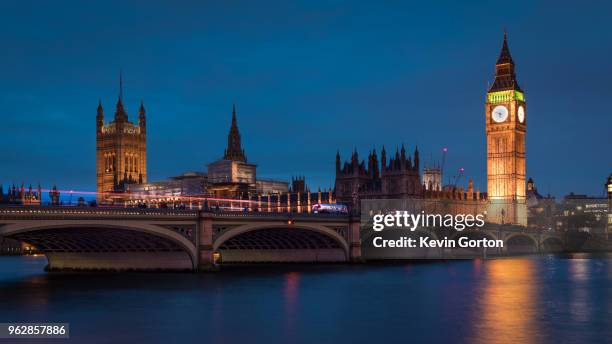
(205, 242)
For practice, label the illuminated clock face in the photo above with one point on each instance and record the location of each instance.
(521, 114)
(499, 114)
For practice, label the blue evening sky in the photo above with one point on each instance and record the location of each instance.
(308, 78)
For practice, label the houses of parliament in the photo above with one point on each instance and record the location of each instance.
(121, 166)
(401, 178)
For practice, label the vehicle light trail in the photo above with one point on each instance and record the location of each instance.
(145, 196)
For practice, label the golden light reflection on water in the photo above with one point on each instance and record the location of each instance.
(579, 303)
(38, 297)
(507, 308)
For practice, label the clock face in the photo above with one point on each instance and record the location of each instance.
(521, 114)
(499, 114)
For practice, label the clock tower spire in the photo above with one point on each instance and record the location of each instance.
(506, 126)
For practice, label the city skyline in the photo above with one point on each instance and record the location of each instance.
(331, 101)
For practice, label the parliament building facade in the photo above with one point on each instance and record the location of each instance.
(122, 171)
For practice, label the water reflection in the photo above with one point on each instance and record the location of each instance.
(36, 281)
(507, 307)
(477, 267)
(514, 300)
(579, 275)
(39, 297)
(291, 290)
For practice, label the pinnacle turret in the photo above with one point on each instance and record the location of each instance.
(141, 110)
(142, 122)
(100, 110)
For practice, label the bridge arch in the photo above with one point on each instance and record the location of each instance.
(99, 245)
(521, 243)
(552, 244)
(278, 242)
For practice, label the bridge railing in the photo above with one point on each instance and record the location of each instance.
(75, 211)
(293, 215)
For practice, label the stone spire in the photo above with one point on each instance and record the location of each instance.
(234, 149)
(504, 54)
(100, 111)
(505, 78)
(141, 110)
(120, 114)
(375, 173)
(99, 116)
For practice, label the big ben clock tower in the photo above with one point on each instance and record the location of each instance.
(506, 124)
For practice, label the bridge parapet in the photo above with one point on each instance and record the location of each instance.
(279, 215)
(22, 212)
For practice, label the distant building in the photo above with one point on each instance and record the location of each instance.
(540, 209)
(54, 196)
(21, 195)
(18, 196)
(298, 184)
(190, 184)
(583, 213)
(229, 178)
(271, 187)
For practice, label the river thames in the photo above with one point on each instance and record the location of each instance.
(536, 299)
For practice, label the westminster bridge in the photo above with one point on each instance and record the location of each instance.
(171, 239)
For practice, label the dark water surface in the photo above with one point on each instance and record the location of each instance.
(539, 299)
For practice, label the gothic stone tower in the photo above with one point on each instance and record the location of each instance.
(505, 110)
(121, 151)
(234, 149)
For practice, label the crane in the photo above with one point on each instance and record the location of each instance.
(458, 177)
